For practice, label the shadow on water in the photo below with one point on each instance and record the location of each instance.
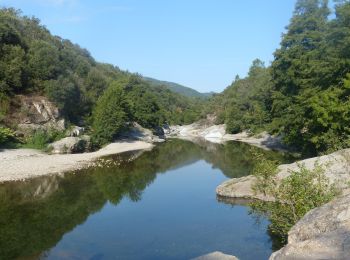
(36, 214)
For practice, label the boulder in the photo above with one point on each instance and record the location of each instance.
(323, 233)
(75, 131)
(70, 145)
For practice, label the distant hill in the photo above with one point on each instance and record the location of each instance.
(177, 88)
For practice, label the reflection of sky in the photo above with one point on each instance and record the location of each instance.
(178, 217)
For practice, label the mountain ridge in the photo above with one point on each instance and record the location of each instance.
(178, 88)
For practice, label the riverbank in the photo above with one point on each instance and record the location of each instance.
(20, 164)
(336, 165)
(217, 134)
(324, 231)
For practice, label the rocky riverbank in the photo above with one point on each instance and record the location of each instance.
(205, 129)
(324, 232)
(337, 170)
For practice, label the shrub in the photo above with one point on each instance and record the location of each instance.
(40, 139)
(6, 135)
(301, 191)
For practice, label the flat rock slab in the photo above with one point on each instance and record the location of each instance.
(216, 256)
(240, 188)
(336, 165)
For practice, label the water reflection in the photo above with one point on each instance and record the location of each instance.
(36, 214)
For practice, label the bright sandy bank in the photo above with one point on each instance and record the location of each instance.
(19, 164)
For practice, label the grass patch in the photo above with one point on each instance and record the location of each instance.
(40, 139)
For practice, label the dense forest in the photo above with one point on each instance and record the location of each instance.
(304, 94)
(34, 62)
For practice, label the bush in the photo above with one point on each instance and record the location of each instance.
(6, 135)
(295, 195)
(40, 139)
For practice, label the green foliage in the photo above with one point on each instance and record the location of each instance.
(248, 100)
(32, 61)
(6, 135)
(301, 191)
(40, 139)
(177, 88)
(11, 68)
(304, 95)
(265, 171)
(310, 95)
(4, 105)
(65, 93)
(110, 115)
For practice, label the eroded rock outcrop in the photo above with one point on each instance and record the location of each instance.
(34, 113)
(323, 233)
(137, 132)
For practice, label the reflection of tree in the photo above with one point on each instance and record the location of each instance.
(31, 223)
(34, 215)
(30, 226)
(235, 159)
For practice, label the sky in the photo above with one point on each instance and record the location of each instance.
(202, 44)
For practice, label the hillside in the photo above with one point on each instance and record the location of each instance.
(304, 95)
(35, 63)
(177, 88)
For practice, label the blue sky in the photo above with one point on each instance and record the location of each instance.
(202, 44)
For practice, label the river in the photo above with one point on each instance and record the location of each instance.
(160, 205)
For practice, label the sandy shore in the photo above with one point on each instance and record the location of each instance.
(20, 164)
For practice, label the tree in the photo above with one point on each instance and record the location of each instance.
(66, 94)
(248, 100)
(110, 114)
(12, 68)
(43, 60)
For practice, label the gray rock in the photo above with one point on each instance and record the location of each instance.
(75, 131)
(216, 256)
(336, 165)
(37, 113)
(70, 145)
(323, 233)
(241, 188)
(137, 132)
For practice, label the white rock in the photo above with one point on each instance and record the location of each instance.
(216, 256)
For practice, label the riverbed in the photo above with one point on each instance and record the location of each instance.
(158, 204)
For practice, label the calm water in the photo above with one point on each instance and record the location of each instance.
(161, 205)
